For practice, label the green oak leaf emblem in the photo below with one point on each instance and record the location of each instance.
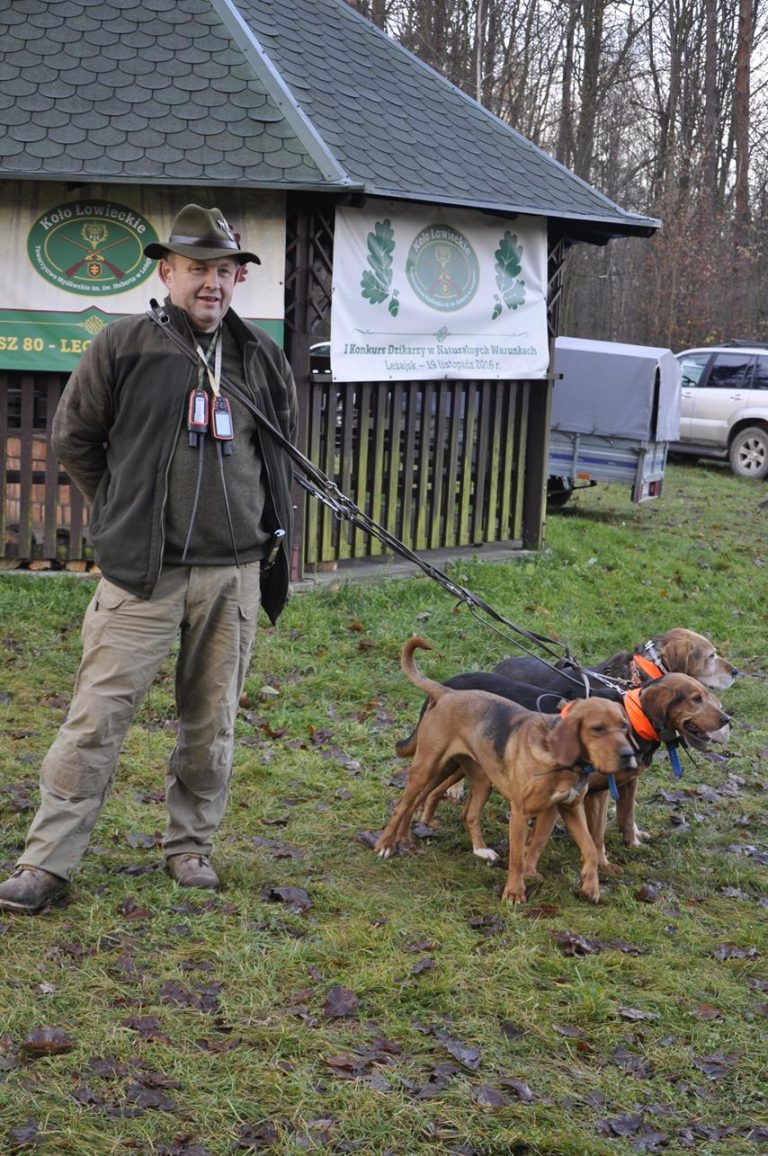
(376, 281)
(510, 285)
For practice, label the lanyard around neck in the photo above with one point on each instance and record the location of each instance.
(215, 348)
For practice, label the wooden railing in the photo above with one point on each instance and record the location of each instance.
(43, 519)
(438, 464)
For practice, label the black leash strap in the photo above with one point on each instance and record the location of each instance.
(325, 490)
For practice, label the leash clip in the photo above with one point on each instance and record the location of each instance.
(273, 549)
(649, 650)
(160, 313)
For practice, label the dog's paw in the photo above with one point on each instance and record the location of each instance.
(513, 894)
(486, 853)
(532, 873)
(611, 869)
(455, 792)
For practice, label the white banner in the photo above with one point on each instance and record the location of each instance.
(427, 293)
(72, 261)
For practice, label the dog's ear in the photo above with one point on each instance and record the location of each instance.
(565, 742)
(680, 651)
(657, 700)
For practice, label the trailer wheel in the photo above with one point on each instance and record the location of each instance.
(559, 491)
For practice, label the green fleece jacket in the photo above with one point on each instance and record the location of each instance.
(116, 426)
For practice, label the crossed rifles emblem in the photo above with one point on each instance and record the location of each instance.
(94, 235)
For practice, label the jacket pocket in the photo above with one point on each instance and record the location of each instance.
(111, 597)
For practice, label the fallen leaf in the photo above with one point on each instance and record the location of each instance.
(633, 1013)
(648, 893)
(149, 1098)
(726, 951)
(467, 1055)
(147, 1026)
(25, 1136)
(254, 1137)
(294, 897)
(47, 1042)
(339, 1002)
(130, 909)
(487, 1097)
(519, 1087)
(633, 1063)
(716, 1066)
(620, 1126)
(571, 944)
(488, 924)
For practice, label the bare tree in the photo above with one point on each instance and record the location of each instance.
(662, 105)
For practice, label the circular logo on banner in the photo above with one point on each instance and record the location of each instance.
(442, 268)
(91, 247)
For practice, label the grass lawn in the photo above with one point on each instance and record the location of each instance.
(325, 1000)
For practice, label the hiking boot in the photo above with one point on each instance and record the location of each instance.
(29, 889)
(192, 870)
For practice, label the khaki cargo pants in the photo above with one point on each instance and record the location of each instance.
(212, 609)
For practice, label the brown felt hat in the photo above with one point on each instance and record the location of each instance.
(202, 235)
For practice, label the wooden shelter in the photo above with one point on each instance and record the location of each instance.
(306, 102)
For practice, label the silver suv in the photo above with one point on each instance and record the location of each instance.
(724, 406)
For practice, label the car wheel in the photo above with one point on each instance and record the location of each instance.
(748, 454)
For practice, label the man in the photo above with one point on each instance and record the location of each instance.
(187, 493)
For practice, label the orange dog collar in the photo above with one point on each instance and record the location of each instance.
(638, 719)
(643, 665)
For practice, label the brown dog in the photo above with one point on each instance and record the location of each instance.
(678, 651)
(671, 708)
(535, 761)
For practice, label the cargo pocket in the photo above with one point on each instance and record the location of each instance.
(249, 594)
(107, 599)
(249, 600)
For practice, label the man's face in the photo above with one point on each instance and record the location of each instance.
(202, 288)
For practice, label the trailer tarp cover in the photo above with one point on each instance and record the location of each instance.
(610, 389)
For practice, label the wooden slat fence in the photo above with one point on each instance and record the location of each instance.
(438, 464)
(42, 517)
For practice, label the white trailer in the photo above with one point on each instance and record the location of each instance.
(615, 409)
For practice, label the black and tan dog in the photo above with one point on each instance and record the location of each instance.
(678, 651)
(535, 761)
(537, 685)
(673, 708)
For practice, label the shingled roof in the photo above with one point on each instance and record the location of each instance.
(290, 94)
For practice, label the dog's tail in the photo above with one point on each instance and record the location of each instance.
(435, 690)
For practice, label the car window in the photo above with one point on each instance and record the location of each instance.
(729, 371)
(692, 367)
(760, 378)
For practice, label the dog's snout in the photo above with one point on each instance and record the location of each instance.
(627, 759)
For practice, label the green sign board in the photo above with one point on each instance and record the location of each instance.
(56, 341)
(91, 247)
